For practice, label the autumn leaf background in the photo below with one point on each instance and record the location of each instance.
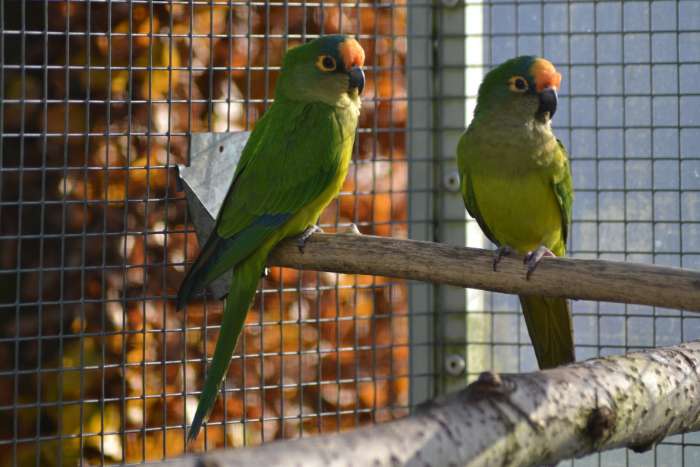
(98, 100)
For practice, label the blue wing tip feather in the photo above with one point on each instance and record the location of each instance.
(182, 298)
(179, 303)
(194, 431)
(197, 422)
(188, 288)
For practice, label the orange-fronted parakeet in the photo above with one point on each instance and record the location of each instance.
(292, 166)
(516, 182)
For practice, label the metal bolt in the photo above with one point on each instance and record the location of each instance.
(451, 180)
(455, 364)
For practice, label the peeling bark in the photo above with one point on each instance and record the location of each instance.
(611, 281)
(634, 400)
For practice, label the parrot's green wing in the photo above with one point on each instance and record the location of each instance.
(564, 190)
(292, 165)
(473, 207)
(467, 189)
(280, 172)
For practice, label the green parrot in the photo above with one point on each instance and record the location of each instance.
(516, 182)
(291, 168)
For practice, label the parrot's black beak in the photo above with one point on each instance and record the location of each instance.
(357, 79)
(548, 102)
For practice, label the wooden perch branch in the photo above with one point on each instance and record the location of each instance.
(611, 281)
(516, 420)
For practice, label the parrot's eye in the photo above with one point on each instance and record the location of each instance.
(326, 63)
(517, 84)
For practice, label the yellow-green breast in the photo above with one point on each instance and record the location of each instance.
(309, 214)
(512, 183)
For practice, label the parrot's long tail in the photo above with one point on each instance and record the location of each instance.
(549, 324)
(245, 280)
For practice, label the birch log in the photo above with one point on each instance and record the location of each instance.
(515, 420)
(611, 281)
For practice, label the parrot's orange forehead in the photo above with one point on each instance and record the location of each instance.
(546, 76)
(352, 53)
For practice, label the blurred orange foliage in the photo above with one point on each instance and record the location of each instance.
(102, 238)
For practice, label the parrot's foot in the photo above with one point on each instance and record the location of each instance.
(502, 251)
(301, 239)
(533, 258)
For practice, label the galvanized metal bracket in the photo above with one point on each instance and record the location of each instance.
(213, 161)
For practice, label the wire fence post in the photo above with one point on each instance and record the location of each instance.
(450, 82)
(458, 48)
(419, 74)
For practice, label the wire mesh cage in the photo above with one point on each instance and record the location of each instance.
(98, 100)
(628, 115)
(97, 104)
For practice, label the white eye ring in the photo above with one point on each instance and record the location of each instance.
(326, 63)
(518, 84)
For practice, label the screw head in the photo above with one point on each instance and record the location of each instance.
(455, 364)
(451, 180)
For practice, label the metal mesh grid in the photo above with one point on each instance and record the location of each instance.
(629, 117)
(96, 104)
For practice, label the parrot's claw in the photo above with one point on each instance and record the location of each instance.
(265, 272)
(301, 239)
(502, 251)
(352, 229)
(533, 258)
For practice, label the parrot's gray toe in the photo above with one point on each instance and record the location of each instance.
(533, 258)
(301, 239)
(502, 251)
(353, 229)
